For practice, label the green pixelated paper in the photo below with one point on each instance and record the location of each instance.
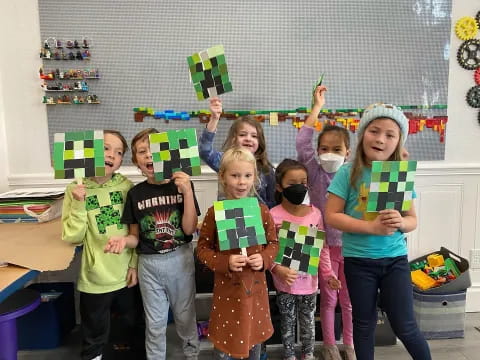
(391, 185)
(78, 154)
(175, 150)
(239, 223)
(299, 247)
(208, 70)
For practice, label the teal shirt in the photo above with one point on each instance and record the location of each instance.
(364, 245)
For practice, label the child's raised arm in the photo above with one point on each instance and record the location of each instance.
(205, 142)
(74, 214)
(303, 141)
(318, 103)
(190, 217)
(216, 110)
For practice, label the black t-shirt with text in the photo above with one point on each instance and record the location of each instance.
(158, 211)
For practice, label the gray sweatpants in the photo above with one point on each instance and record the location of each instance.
(168, 280)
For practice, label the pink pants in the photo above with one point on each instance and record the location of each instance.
(328, 302)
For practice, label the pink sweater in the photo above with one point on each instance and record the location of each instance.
(305, 284)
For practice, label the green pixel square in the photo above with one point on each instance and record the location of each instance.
(375, 177)
(89, 153)
(393, 177)
(69, 155)
(382, 199)
(59, 174)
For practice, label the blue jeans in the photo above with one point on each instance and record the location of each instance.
(254, 354)
(365, 277)
(168, 280)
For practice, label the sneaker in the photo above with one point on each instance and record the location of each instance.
(349, 353)
(308, 356)
(330, 352)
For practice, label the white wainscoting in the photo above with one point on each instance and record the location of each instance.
(448, 209)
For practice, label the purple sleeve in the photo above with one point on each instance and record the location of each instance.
(207, 153)
(306, 152)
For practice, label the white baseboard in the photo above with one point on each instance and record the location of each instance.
(473, 298)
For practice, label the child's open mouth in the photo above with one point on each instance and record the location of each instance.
(149, 166)
(108, 163)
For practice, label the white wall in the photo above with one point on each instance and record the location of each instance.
(448, 191)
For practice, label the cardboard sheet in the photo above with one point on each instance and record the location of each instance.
(10, 274)
(35, 246)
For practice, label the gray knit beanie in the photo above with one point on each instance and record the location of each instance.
(380, 110)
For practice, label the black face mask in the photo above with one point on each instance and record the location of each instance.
(295, 193)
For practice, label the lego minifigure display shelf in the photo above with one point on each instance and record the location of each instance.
(393, 51)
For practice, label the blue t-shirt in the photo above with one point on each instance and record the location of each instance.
(364, 245)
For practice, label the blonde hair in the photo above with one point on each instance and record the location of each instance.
(142, 135)
(261, 154)
(236, 154)
(360, 161)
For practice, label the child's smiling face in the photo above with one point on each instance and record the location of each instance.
(238, 179)
(113, 150)
(380, 139)
(247, 138)
(143, 158)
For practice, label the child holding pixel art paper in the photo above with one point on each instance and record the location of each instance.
(296, 292)
(374, 248)
(240, 318)
(333, 147)
(104, 280)
(162, 216)
(248, 134)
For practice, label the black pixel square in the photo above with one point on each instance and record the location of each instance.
(183, 143)
(384, 176)
(68, 145)
(392, 187)
(309, 240)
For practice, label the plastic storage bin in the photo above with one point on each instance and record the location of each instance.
(47, 326)
(460, 283)
(440, 316)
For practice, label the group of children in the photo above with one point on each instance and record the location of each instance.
(362, 257)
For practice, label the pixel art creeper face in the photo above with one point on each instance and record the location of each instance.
(239, 223)
(174, 150)
(108, 215)
(300, 247)
(391, 185)
(78, 154)
(208, 70)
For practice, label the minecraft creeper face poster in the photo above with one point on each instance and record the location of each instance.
(175, 150)
(299, 247)
(391, 185)
(78, 154)
(208, 70)
(239, 223)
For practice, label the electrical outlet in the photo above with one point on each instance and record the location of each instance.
(475, 259)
